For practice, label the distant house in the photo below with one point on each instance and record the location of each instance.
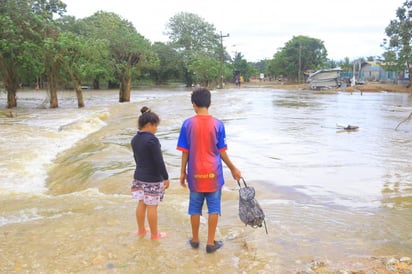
(374, 72)
(371, 71)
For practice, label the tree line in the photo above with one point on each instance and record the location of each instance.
(42, 46)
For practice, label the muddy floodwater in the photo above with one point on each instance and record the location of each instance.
(330, 195)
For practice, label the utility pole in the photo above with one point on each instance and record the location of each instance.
(353, 82)
(222, 57)
(300, 61)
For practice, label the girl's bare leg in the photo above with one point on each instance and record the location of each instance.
(140, 217)
(152, 218)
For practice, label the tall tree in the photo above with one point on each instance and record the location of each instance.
(299, 54)
(79, 59)
(195, 38)
(170, 65)
(129, 50)
(205, 69)
(85, 57)
(399, 46)
(24, 26)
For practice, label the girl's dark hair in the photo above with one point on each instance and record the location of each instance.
(201, 97)
(146, 117)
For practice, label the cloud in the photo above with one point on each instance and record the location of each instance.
(351, 28)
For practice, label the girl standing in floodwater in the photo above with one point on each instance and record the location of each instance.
(150, 176)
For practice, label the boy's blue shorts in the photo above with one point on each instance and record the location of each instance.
(197, 199)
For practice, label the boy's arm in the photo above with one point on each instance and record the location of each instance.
(233, 169)
(183, 174)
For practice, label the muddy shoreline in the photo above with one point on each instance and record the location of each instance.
(367, 87)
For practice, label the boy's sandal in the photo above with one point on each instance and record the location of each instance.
(193, 244)
(214, 247)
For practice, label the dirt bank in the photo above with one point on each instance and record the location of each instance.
(367, 87)
(375, 87)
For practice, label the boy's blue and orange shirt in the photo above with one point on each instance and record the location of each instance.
(203, 137)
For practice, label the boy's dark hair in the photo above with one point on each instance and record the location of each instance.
(147, 117)
(201, 97)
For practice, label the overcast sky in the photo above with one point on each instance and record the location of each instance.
(257, 29)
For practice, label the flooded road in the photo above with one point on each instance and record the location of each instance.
(329, 195)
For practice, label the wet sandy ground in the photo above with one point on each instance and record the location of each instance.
(94, 233)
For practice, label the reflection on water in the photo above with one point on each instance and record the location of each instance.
(329, 194)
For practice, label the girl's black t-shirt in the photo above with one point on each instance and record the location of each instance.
(150, 166)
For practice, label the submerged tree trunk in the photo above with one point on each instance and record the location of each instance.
(131, 61)
(125, 88)
(53, 89)
(11, 85)
(79, 94)
(11, 99)
(78, 87)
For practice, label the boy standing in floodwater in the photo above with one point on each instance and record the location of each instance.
(202, 140)
(150, 176)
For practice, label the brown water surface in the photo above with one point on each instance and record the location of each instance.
(329, 195)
